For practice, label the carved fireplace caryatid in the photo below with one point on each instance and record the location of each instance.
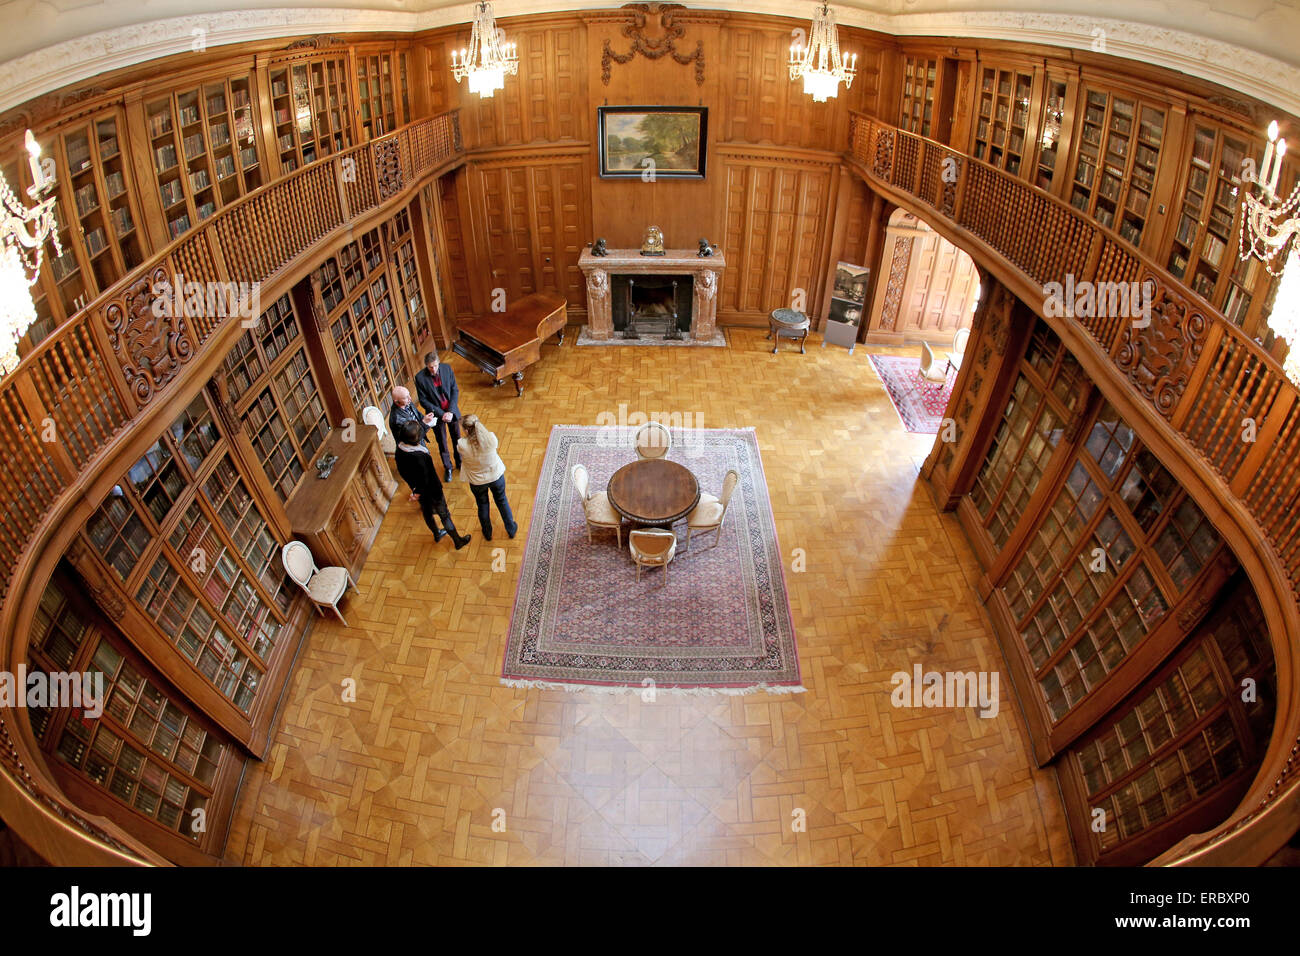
(703, 274)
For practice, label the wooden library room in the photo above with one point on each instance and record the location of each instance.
(549, 433)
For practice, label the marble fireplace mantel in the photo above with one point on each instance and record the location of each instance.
(706, 272)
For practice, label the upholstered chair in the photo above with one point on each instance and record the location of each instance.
(708, 514)
(325, 586)
(373, 416)
(958, 348)
(933, 376)
(652, 548)
(653, 439)
(595, 505)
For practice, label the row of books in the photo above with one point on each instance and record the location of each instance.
(189, 115)
(86, 199)
(193, 145)
(171, 192)
(160, 124)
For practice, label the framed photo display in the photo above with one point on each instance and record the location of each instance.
(848, 302)
(652, 142)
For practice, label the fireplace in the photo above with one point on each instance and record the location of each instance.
(654, 297)
(624, 277)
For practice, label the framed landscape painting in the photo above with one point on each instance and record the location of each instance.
(652, 142)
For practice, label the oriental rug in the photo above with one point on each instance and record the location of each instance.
(582, 620)
(920, 406)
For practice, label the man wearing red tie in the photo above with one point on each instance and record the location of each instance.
(440, 399)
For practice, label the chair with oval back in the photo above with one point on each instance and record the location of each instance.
(325, 586)
(710, 512)
(371, 415)
(653, 440)
(595, 505)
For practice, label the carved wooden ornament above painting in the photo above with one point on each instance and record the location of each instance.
(653, 48)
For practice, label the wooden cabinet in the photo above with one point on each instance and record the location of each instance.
(203, 149)
(1203, 252)
(376, 94)
(310, 110)
(1003, 128)
(339, 516)
(1117, 160)
(920, 79)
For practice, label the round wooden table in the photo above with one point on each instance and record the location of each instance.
(653, 492)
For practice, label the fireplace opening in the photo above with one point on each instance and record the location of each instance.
(649, 300)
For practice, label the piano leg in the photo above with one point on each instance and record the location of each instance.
(519, 384)
(497, 383)
(560, 341)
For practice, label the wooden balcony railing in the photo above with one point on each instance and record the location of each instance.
(85, 384)
(1191, 367)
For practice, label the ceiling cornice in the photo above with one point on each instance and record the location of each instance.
(73, 61)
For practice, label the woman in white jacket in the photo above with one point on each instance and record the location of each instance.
(483, 468)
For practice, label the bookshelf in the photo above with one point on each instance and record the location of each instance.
(1055, 109)
(917, 109)
(1002, 120)
(203, 150)
(355, 291)
(1120, 139)
(310, 110)
(96, 214)
(406, 269)
(1204, 248)
(376, 94)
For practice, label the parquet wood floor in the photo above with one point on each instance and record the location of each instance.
(437, 763)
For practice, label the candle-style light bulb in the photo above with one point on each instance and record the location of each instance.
(34, 161)
(1277, 165)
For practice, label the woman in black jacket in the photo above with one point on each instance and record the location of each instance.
(415, 465)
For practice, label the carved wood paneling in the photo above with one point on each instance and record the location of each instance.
(455, 255)
(653, 32)
(536, 225)
(776, 219)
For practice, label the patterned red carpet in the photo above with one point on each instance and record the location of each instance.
(920, 407)
(720, 623)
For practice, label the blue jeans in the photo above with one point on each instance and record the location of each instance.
(498, 489)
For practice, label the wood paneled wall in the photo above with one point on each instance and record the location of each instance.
(522, 212)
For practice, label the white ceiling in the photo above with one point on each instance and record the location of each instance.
(1248, 45)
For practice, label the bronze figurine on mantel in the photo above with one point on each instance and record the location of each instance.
(598, 248)
(653, 245)
(706, 249)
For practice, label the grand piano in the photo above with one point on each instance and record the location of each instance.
(505, 343)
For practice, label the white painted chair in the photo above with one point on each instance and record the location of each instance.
(653, 439)
(710, 512)
(325, 586)
(595, 505)
(958, 348)
(371, 415)
(932, 376)
(652, 548)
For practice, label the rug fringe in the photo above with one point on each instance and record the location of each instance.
(633, 689)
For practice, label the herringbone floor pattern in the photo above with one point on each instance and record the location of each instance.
(437, 763)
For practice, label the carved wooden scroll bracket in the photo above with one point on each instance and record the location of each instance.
(653, 48)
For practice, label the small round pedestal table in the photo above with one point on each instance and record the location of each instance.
(789, 324)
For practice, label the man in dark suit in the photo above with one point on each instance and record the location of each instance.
(415, 465)
(439, 394)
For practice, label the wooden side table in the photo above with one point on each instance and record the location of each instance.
(789, 324)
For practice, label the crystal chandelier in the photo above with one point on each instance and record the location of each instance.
(1269, 228)
(488, 59)
(820, 65)
(23, 232)
(1268, 220)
